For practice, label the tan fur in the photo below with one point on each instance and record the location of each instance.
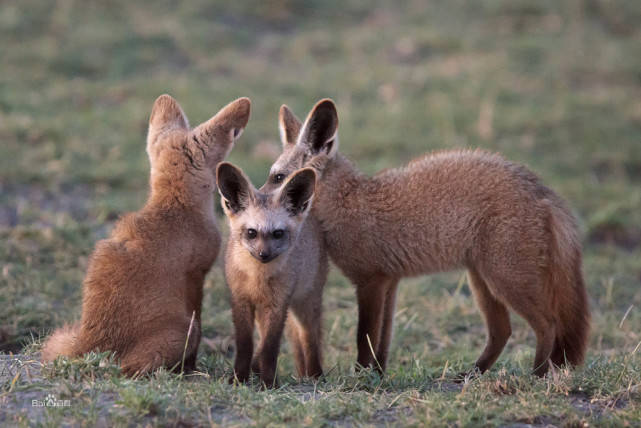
(60, 342)
(285, 288)
(443, 211)
(144, 282)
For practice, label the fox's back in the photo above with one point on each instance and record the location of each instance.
(462, 182)
(428, 215)
(154, 245)
(149, 263)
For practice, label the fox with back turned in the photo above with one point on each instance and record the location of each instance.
(143, 290)
(452, 209)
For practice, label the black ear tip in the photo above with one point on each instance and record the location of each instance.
(326, 104)
(326, 109)
(224, 168)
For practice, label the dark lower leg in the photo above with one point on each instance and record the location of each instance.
(370, 316)
(271, 324)
(544, 347)
(387, 328)
(558, 356)
(243, 317)
(497, 321)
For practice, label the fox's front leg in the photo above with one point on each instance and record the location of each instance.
(371, 298)
(271, 323)
(387, 325)
(243, 318)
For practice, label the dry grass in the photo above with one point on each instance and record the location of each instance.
(555, 85)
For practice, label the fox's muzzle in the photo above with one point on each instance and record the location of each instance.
(265, 256)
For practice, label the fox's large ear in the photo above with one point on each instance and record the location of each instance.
(288, 125)
(166, 115)
(234, 187)
(227, 124)
(297, 192)
(319, 132)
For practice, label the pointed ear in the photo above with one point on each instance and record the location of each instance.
(166, 115)
(227, 124)
(319, 132)
(288, 125)
(297, 192)
(234, 187)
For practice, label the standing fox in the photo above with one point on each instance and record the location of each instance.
(275, 263)
(143, 290)
(447, 210)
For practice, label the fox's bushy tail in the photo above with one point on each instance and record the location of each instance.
(569, 299)
(61, 342)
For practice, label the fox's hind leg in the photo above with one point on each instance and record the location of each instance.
(497, 321)
(293, 328)
(312, 347)
(524, 292)
(307, 349)
(544, 346)
(531, 305)
(164, 349)
(306, 320)
(191, 355)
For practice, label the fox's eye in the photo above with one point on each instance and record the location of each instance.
(278, 233)
(251, 233)
(278, 178)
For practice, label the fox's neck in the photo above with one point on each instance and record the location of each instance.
(338, 188)
(169, 194)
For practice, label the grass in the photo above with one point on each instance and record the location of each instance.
(554, 85)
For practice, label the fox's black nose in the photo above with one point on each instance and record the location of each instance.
(264, 256)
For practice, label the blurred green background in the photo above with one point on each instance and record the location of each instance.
(555, 85)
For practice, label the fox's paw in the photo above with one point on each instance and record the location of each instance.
(267, 383)
(237, 379)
